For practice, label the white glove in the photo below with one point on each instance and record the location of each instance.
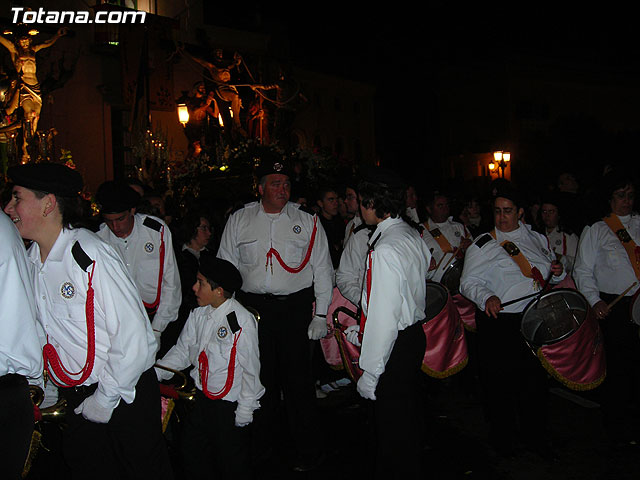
(93, 411)
(367, 386)
(244, 416)
(317, 328)
(351, 333)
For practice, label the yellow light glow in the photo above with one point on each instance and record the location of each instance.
(497, 156)
(183, 114)
(506, 156)
(492, 166)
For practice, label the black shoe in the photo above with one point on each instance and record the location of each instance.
(308, 464)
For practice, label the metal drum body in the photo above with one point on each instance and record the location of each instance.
(561, 329)
(446, 351)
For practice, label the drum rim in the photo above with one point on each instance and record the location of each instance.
(553, 291)
(438, 286)
(454, 262)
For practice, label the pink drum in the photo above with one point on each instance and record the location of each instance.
(446, 351)
(338, 352)
(561, 329)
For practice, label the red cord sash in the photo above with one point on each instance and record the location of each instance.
(274, 253)
(153, 307)
(363, 318)
(50, 355)
(204, 371)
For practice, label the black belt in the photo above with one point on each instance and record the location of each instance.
(11, 380)
(82, 390)
(268, 297)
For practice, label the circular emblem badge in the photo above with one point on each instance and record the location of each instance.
(457, 233)
(558, 242)
(67, 290)
(222, 332)
(277, 167)
(148, 247)
(297, 229)
(546, 252)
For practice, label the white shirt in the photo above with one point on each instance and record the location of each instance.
(565, 244)
(454, 232)
(22, 338)
(350, 273)
(352, 224)
(250, 233)
(602, 263)
(140, 251)
(125, 344)
(399, 264)
(489, 270)
(208, 330)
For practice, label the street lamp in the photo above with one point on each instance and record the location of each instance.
(501, 160)
(183, 114)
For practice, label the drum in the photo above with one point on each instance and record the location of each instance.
(329, 344)
(446, 352)
(451, 276)
(564, 334)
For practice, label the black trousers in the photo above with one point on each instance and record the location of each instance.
(514, 383)
(286, 366)
(397, 410)
(130, 446)
(16, 424)
(211, 446)
(620, 391)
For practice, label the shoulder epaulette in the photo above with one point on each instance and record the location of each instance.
(80, 256)
(306, 209)
(153, 224)
(361, 227)
(233, 322)
(482, 240)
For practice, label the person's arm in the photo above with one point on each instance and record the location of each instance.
(251, 390)
(177, 357)
(171, 290)
(8, 45)
(47, 43)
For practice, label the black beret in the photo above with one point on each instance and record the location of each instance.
(508, 191)
(47, 177)
(221, 272)
(272, 162)
(385, 178)
(116, 197)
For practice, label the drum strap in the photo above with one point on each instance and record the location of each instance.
(367, 285)
(633, 251)
(518, 257)
(439, 237)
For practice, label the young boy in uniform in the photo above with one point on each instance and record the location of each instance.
(220, 339)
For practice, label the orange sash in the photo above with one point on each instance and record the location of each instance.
(518, 257)
(633, 251)
(437, 235)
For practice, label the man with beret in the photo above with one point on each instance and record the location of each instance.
(509, 263)
(282, 253)
(146, 246)
(220, 340)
